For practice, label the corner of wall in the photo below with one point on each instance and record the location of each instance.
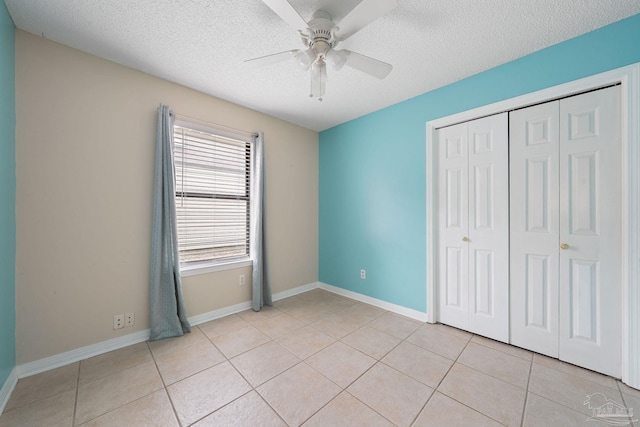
(7, 206)
(7, 389)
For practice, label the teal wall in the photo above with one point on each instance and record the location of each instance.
(372, 169)
(7, 196)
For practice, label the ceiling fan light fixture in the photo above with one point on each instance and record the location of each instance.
(336, 58)
(305, 58)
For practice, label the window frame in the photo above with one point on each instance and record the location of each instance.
(209, 266)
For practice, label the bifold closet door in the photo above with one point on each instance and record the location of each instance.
(473, 215)
(590, 231)
(453, 226)
(565, 229)
(535, 227)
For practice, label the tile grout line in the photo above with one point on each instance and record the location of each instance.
(166, 392)
(575, 376)
(526, 394)
(402, 340)
(532, 362)
(435, 389)
(449, 370)
(303, 361)
(632, 422)
(344, 389)
(254, 388)
(391, 367)
(122, 406)
(327, 403)
(46, 396)
(497, 378)
(501, 351)
(75, 403)
(226, 359)
(271, 340)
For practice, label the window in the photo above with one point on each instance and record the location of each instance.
(213, 171)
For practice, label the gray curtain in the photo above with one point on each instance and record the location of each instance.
(168, 317)
(261, 289)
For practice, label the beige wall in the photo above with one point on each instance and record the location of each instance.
(84, 152)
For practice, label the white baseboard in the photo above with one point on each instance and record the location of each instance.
(81, 353)
(7, 389)
(62, 359)
(398, 309)
(237, 308)
(221, 312)
(86, 352)
(295, 291)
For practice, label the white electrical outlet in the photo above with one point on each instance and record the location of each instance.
(129, 319)
(241, 280)
(363, 274)
(118, 321)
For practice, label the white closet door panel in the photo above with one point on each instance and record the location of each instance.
(590, 196)
(488, 238)
(534, 227)
(453, 219)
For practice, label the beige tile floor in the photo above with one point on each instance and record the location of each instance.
(315, 359)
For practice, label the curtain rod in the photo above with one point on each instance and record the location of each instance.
(222, 127)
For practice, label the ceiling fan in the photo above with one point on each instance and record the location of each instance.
(321, 35)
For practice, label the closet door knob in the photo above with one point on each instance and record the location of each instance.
(465, 239)
(564, 246)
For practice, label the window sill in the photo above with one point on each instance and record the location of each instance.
(193, 270)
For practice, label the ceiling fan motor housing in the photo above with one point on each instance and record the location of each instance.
(321, 36)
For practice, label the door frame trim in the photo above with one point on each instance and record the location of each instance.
(629, 79)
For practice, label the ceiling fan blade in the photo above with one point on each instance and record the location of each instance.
(288, 14)
(362, 15)
(271, 59)
(368, 65)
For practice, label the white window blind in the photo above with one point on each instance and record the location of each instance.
(212, 195)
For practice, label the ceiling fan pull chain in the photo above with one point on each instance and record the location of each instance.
(320, 97)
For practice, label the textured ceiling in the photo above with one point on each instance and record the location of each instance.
(202, 44)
